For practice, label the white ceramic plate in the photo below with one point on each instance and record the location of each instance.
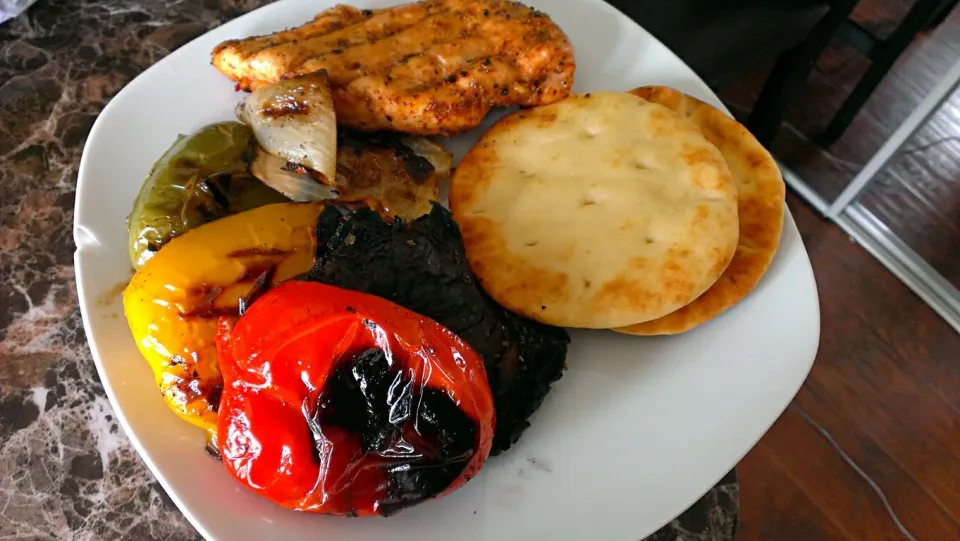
(635, 432)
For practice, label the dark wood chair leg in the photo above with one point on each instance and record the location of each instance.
(941, 16)
(790, 73)
(780, 88)
(886, 53)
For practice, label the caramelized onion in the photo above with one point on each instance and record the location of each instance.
(273, 172)
(294, 120)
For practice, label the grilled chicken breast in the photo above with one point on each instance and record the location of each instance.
(425, 68)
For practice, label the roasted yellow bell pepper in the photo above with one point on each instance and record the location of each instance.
(173, 302)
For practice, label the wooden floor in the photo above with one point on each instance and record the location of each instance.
(918, 196)
(870, 447)
(883, 396)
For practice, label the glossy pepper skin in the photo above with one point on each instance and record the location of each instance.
(201, 177)
(173, 302)
(339, 402)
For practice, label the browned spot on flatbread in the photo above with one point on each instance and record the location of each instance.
(674, 284)
(756, 160)
(659, 122)
(713, 133)
(698, 158)
(659, 115)
(566, 254)
(700, 215)
(521, 280)
(659, 96)
(623, 291)
(675, 279)
(721, 261)
(754, 228)
(480, 160)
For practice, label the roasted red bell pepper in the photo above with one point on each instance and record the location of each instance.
(343, 403)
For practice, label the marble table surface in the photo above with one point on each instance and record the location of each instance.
(67, 471)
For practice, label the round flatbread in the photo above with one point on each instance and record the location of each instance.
(598, 211)
(760, 193)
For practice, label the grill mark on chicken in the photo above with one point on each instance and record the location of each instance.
(383, 52)
(400, 21)
(433, 67)
(331, 20)
(302, 46)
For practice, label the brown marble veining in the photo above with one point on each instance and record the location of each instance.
(67, 471)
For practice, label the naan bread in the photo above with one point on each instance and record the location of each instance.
(760, 193)
(598, 211)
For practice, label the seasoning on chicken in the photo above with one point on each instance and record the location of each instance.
(427, 68)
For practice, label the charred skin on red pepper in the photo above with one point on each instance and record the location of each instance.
(343, 403)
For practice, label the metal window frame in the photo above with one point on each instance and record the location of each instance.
(870, 232)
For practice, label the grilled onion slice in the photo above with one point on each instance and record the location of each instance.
(294, 120)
